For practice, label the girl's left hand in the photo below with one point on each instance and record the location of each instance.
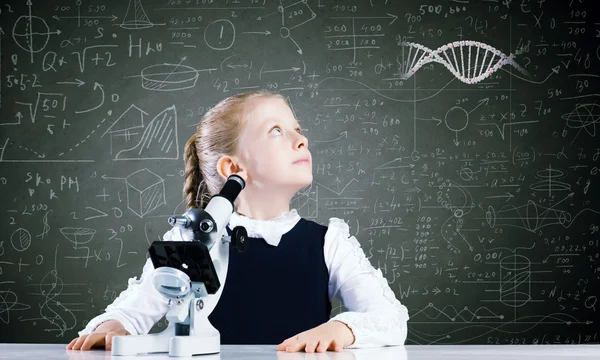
(332, 335)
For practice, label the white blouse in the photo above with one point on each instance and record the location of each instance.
(374, 314)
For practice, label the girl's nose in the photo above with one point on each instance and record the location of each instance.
(301, 141)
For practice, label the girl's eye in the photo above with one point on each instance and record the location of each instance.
(276, 128)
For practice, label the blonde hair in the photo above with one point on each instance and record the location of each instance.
(217, 134)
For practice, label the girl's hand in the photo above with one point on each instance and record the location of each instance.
(100, 337)
(333, 335)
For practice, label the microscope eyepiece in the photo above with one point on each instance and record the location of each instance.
(232, 188)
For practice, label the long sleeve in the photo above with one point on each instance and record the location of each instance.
(374, 314)
(140, 306)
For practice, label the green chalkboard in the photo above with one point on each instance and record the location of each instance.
(458, 139)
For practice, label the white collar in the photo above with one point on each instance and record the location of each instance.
(271, 230)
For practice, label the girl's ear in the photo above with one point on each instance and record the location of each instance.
(243, 174)
(228, 165)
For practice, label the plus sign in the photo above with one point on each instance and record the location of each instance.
(104, 195)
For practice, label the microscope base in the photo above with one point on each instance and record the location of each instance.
(205, 340)
(141, 344)
(194, 345)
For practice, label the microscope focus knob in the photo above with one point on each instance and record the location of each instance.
(239, 238)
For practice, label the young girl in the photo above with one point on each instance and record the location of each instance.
(279, 290)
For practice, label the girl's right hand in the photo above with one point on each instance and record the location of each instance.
(100, 337)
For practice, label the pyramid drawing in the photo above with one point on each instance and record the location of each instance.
(135, 17)
(158, 141)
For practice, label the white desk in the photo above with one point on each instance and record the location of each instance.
(256, 352)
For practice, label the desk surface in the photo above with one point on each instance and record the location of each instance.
(256, 352)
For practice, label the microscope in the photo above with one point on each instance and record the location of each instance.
(191, 274)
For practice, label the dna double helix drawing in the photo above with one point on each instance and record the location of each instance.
(481, 60)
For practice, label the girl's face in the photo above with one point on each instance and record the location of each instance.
(273, 148)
